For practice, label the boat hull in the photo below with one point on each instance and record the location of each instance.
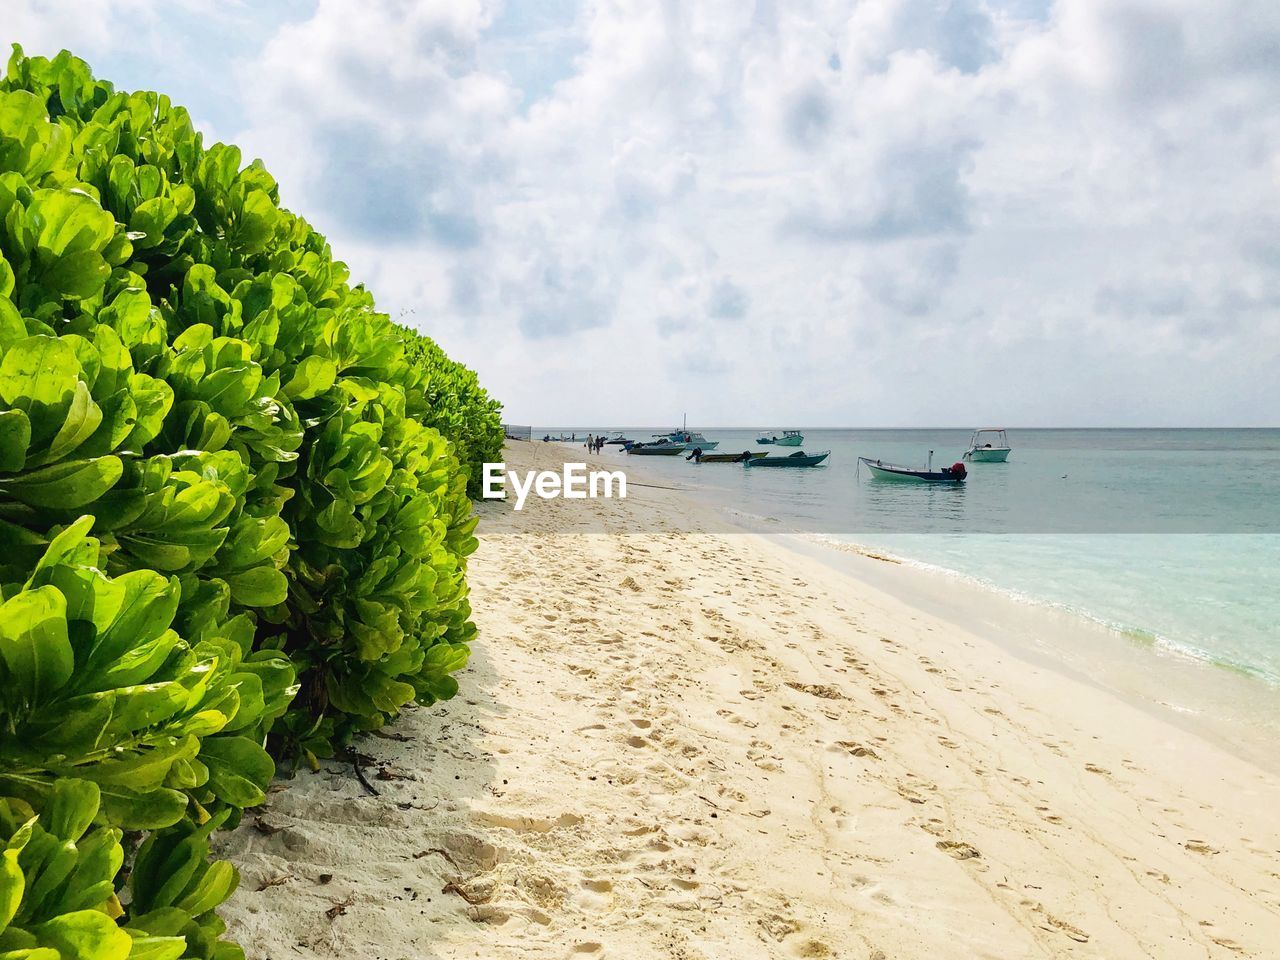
(728, 457)
(790, 441)
(791, 461)
(988, 455)
(703, 445)
(882, 471)
(656, 451)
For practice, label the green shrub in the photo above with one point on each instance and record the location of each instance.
(233, 505)
(58, 876)
(452, 401)
(95, 684)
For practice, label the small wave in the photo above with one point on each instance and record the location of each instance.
(1140, 637)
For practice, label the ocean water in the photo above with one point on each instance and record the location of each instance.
(1170, 539)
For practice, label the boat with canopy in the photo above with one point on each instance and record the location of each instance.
(988, 445)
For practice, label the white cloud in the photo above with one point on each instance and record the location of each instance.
(927, 210)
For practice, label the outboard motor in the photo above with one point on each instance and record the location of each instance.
(958, 470)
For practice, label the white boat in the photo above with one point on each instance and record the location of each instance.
(789, 438)
(880, 470)
(988, 445)
(691, 439)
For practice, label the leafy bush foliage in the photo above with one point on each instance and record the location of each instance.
(453, 402)
(58, 875)
(233, 511)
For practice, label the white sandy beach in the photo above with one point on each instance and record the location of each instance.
(706, 746)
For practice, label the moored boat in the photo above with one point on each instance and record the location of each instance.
(789, 438)
(727, 457)
(895, 471)
(988, 445)
(691, 440)
(659, 449)
(797, 459)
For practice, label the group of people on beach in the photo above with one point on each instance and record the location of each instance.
(594, 444)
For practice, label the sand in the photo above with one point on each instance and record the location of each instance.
(708, 746)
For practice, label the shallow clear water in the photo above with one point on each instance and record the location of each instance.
(1213, 597)
(1171, 537)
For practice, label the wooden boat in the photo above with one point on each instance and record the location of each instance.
(656, 449)
(789, 438)
(893, 471)
(797, 459)
(728, 457)
(988, 445)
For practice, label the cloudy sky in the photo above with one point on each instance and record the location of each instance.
(770, 212)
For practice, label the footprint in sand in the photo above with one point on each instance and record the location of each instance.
(857, 749)
(958, 849)
(814, 949)
(906, 793)
(1057, 924)
(1068, 928)
(1199, 846)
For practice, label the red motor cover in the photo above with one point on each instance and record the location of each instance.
(958, 467)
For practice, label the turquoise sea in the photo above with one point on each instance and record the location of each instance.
(1169, 538)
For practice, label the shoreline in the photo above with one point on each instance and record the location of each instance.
(1238, 711)
(674, 744)
(1233, 707)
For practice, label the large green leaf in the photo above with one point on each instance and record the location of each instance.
(259, 587)
(65, 486)
(15, 437)
(239, 769)
(20, 111)
(69, 221)
(149, 810)
(83, 418)
(77, 275)
(34, 645)
(85, 935)
(156, 948)
(13, 882)
(37, 373)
